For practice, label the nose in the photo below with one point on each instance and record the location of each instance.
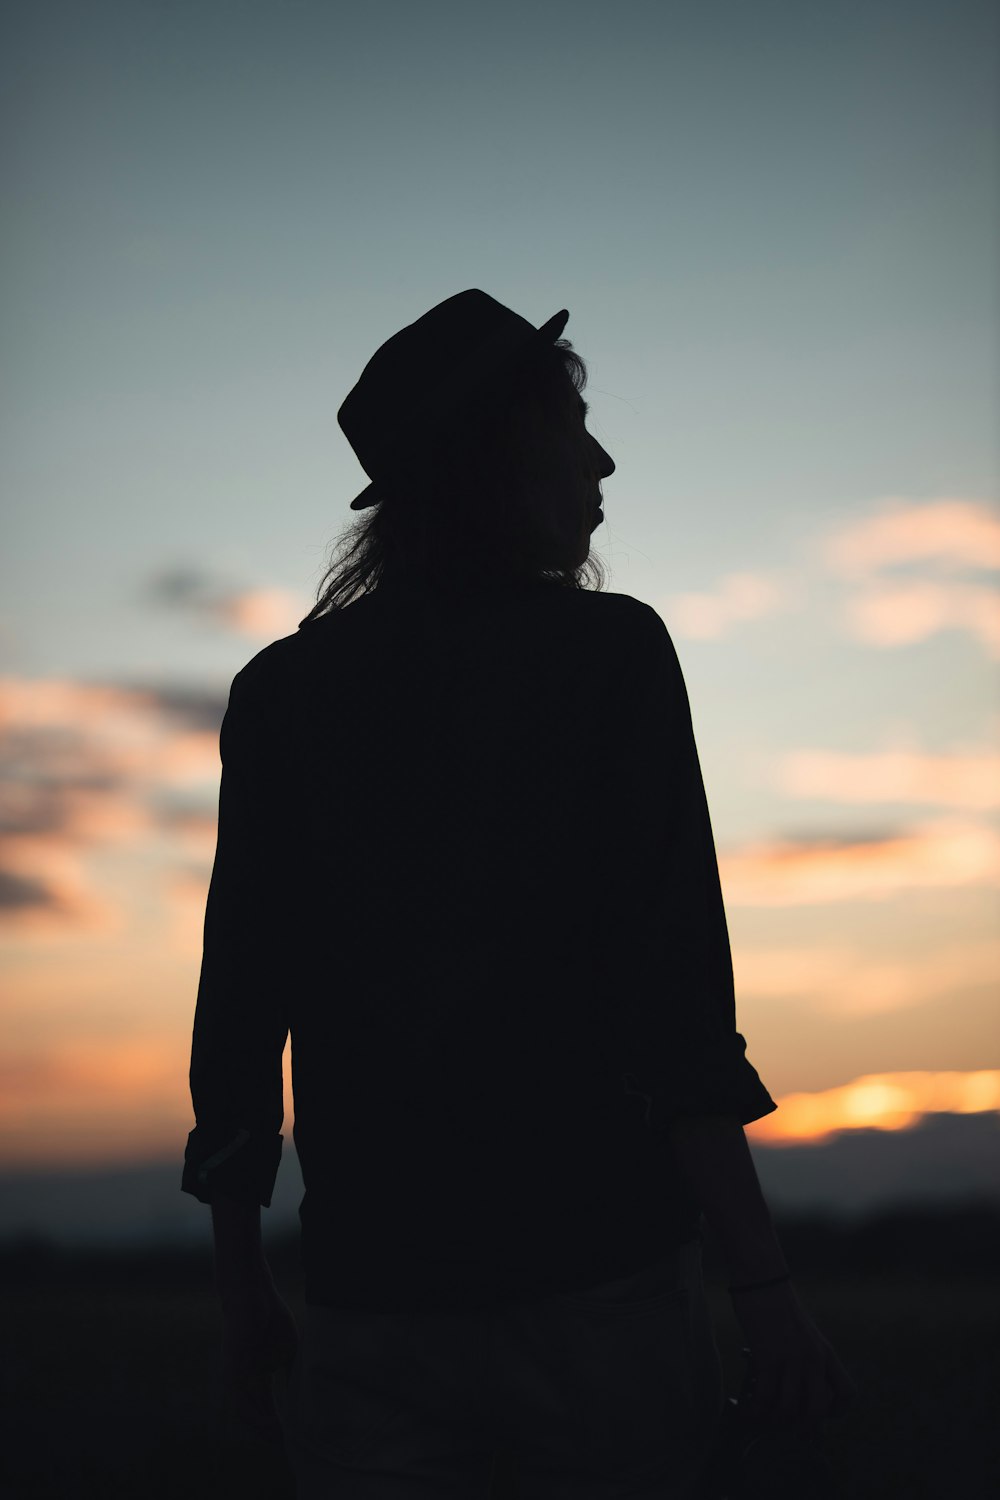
(605, 463)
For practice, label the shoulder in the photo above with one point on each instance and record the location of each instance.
(620, 608)
(259, 685)
(613, 611)
(627, 610)
(638, 626)
(626, 623)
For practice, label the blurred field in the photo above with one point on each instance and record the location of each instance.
(108, 1364)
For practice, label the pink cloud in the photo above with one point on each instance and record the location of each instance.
(944, 536)
(86, 768)
(51, 895)
(737, 598)
(898, 613)
(263, 613)
(962, 533)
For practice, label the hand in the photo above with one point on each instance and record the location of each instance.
(799, 1379)
(259, 1337)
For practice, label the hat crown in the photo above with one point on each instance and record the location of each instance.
(421, 379)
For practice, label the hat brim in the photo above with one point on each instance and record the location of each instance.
(369, 496)
(547, 333)
(552, 330)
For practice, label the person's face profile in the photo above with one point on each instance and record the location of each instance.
(571, 464)
(597, 464)
(599, 458)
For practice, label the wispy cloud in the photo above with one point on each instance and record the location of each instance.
(897, 614)
(951, 533)
(47, 892)
(946, 536)
(94, 1099)
(87, 766)
(737, 598)
(840, 981)
(967, 779)
(942, 539)
(262, 613)
(806, 870)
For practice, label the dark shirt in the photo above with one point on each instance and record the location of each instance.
(465, 856)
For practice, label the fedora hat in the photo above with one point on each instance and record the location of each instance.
(418, 385)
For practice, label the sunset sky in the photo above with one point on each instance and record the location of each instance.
(775, 229)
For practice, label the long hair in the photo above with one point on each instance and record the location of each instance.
(498, 506)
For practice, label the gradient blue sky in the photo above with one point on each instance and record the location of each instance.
(775, 228)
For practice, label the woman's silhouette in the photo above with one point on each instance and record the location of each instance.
(519, 1087)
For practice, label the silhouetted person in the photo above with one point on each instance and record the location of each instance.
(465, 857)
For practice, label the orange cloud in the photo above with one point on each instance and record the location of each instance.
(884, 1101)
(956, 779)
(124, 1071)
(93, 1102)
(806, 871)
(89, 1102)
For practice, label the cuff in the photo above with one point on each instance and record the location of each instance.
(231, 1164)
(716, 1081)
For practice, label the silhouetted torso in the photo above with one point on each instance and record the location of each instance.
(465, 855)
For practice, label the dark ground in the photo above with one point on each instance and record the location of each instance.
(108, 1364)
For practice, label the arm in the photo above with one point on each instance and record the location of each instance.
(240, 1262)
(673, 983)
(688, 1060)
(714, 1158)
(259, 1332)
(240, 1028)
(796, 1376)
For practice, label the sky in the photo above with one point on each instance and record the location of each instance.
(775, 228)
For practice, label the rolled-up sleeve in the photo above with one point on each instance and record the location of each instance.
(240, 1023)
(674, 977)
